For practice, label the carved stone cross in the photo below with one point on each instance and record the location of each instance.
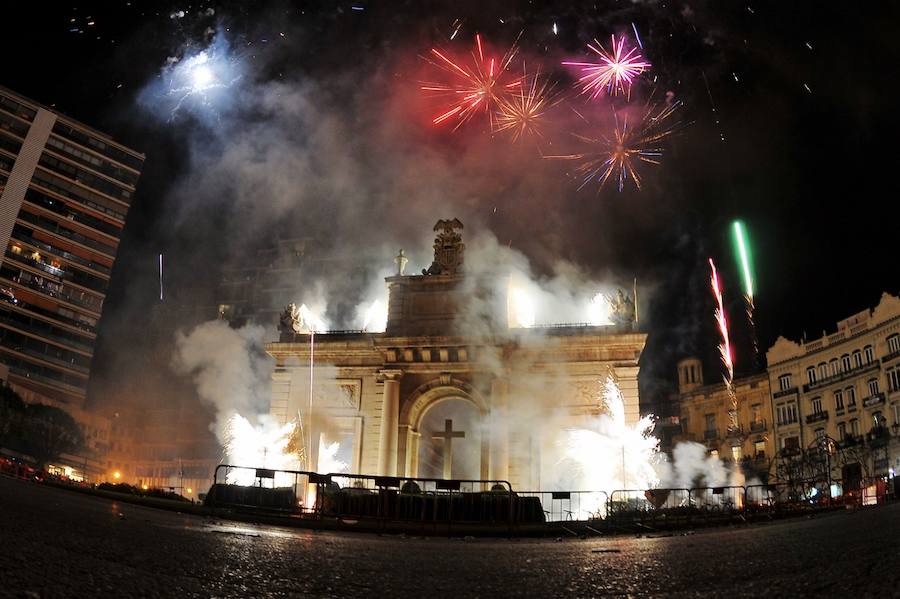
(448, 435)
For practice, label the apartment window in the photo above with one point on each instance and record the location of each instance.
(851, 396)
(893, 377)
(710, 422)
(811, 375)
(820, 434)
(786, 413)
(833, 367)
(823, 371)
(845, 362)
(790, 443)
(838, 400)
(759, 449)
(867, 350)
(873, 387)
(684, 424)
(756, 412)
(817, 405)
(896, 407)
(842, 431)
(784, 382)
(854, 427)
(893, 343)
(878, 419)
(736, 453)
(857, 359)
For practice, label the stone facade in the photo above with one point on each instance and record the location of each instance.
(448, 357)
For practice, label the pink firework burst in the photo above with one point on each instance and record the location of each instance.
(477, 86)
(615, 71)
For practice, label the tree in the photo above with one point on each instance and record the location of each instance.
(12, 412)
(51, 432)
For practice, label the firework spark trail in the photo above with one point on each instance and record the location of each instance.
(617, 156)
(725, 346)
(478, 87)
(523, 109)
(744, 262)
(614, 73)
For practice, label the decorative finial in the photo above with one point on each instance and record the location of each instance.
(401, 261)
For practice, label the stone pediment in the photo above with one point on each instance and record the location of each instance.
(888, 307)
(783, 349)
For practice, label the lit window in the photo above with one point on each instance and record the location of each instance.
(736, 453)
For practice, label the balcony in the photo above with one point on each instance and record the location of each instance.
(873, 400)
(757, 426)
(850, 440)
(890, 357)
(785, 392)
(847, 374)
(878, 436)
(710, 434)
(817, 417)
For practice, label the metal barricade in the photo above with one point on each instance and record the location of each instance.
(570, 506)
(719, 500)
(262, 489)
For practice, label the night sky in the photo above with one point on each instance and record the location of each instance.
(803, 93)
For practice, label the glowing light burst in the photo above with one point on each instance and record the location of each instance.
(617, 156)
(477, 86)
(725, 346)
(600, 310)
(310, 321)
(521, 111)
(264, 446)
(375, 317)
(197, 82)
(614, 73)
(520, 309)
(742, 246)
(329, 463)
(612, 455)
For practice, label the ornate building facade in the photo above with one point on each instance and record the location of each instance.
(843, 388)
(449, 390)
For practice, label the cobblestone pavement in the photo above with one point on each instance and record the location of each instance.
(55, 543)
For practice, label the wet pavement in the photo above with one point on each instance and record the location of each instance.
(56, 543)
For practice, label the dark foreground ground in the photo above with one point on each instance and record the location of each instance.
(57, 543)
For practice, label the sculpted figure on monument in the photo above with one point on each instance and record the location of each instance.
(290, 321)
(448, 249)
(622, 308)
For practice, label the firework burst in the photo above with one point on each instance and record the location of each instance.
(614, 73)
(477, 86)
(521, 111)
(617, 156)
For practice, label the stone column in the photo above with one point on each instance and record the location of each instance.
(499, 431)
(390, 420)
(627, 379)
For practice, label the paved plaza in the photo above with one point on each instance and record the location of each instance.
(57, 543)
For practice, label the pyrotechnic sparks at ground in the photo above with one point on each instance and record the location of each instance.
(614, 73)
(725, 346)
(522, 110)
(617, 156)
(477, 85)
(264, 446)
(612, 455)
(329, 462)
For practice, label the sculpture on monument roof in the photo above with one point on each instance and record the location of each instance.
(448, 249)
(290, 321)
(622, 308)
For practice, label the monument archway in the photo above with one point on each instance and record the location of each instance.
(446, 432)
